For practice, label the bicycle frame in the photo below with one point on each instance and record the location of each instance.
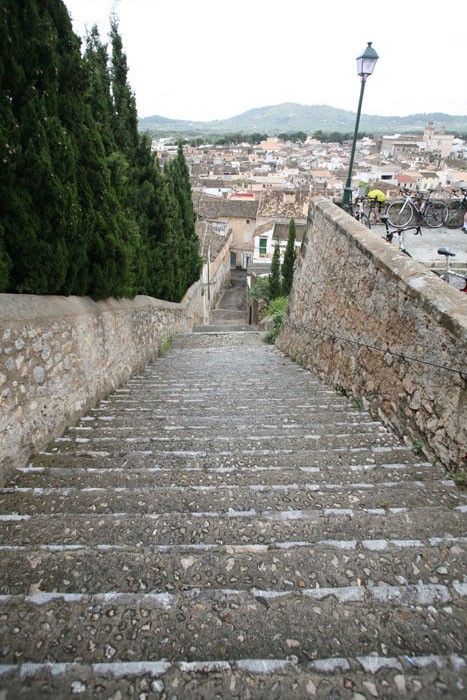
(449, 274)
(399, 231)
(420, 206)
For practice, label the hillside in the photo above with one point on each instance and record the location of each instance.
(290, 117)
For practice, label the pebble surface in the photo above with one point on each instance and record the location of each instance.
(227, 526)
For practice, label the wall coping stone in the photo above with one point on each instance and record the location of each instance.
(24, 307)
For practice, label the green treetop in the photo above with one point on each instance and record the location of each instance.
(288, 265)
(274, 275)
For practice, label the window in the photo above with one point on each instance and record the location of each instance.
(248, 221)
(263, 244)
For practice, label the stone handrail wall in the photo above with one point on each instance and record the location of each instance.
(381, 326)
(60, 355)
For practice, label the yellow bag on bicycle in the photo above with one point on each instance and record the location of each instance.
(377, 195)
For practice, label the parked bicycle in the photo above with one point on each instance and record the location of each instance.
(457, 209)
(373, 205)
(456, 279)
(399, 231)
(432, 212)
(357, 210)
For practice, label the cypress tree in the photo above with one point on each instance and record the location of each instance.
(61, 224)
(274, 275)
(87, 209)
(98, 94)
(288, 265)
(178, 176)
(38, 188)
(125, 117)
(151, 215)
(121, 169)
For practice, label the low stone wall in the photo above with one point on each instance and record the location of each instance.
(384, 328)
(60, 355)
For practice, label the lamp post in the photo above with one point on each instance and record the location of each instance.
(365, 65)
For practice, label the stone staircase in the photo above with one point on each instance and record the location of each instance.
(226, 526)
(230, 311)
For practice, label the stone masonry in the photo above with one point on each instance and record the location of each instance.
(383, 328)
(59, 355)
(198, 537)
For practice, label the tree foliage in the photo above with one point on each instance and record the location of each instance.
(275, 274)
(85, 207)
(294, 136)
(338, 136)
(288, 266)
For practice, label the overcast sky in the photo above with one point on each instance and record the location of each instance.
(213, 59)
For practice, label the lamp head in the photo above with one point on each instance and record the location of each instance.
(367, 61)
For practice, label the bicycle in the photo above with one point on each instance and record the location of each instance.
(432, 212)
(356, 209)
(399, 230)
(373, 209)
(457, 209)
(456, 279)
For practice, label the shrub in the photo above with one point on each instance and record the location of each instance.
(276, 309)
(260, 289)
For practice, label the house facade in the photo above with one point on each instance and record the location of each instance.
(240, 217)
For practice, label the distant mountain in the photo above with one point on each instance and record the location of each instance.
(289, 117)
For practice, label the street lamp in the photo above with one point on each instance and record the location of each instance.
(365, 65)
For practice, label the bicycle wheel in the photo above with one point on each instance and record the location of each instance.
(456, 213)
(399, 213)
(368, 207)
(436, 213)
(365, 220)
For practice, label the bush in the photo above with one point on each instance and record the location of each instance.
(276, 309)
(260, 290)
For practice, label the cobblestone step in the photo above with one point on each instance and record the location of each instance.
(227, 526)
(201, 624)
(120, 456)
(279, 565)
(227, 444)
(233, 527)
(353, 678)
(225, 475)
(173, 431)
(221, 499)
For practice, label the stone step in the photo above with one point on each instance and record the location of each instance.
(352, 678)
(250, 343)
(233, 527)
(143, 412)
(226, 475)
(173, 428)
(229, 444)
(201, 624)
(275, 566)
(120, 456)
(216, 406)
(219, 326)
(203, 435)
(217, 499)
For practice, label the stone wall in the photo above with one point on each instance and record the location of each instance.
(60, 355)
(383, 328)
